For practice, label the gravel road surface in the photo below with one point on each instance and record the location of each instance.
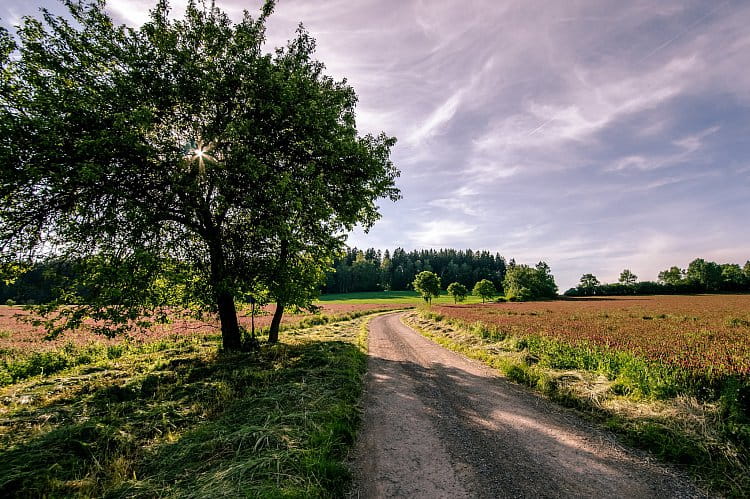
(439, 425)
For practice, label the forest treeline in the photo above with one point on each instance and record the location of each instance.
(376, 270)
(700, 276)
(353, 270)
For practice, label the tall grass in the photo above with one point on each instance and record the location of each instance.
(17, 366)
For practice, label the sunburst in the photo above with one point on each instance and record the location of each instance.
(200, 154)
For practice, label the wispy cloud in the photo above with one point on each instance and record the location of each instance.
(437, 118)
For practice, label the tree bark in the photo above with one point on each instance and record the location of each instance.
(231, 338)
(230, 327)
(273, 333)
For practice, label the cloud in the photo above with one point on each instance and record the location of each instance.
(437, 118)
(435, 233)
(686, 149)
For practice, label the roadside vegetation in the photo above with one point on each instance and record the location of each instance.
(670, 374)
(175, 417)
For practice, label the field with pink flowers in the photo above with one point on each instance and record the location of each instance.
(708, 334)
(18, 336)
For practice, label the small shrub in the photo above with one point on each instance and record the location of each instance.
(315, 320)
(115, 351)
(10, 302)
(737, 322)
(521, 344)
(480, 329)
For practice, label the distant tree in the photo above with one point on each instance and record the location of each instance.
(544, 282)
(628, 278)
(484, 289)
(518, 282)
(427, 284)
(458, 291)
(746, 271)
(706, 274)
(673, 276)
(732, 277)
(589, 282)
(385, 273)
(527, 283)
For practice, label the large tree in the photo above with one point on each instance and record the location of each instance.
(704, 273)
(674, 276)
(458, 291)
(178, 156)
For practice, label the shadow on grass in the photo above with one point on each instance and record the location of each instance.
(278, 422)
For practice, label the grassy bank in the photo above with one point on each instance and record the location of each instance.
(703, 428)
(180, 419)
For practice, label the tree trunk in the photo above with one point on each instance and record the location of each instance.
(230, 328)
(273, 333)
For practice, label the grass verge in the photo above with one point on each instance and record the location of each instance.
(184, 420)
(704, 429)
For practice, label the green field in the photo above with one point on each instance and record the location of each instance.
(406, 297)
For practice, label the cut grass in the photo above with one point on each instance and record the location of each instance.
(710, 438)
(405, 297)
(184, 420)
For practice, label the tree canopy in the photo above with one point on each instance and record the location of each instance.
(628, 278)
(427, 284)
(674, 275)
(178, 163)
(372, 269)
(589, 281)
(484, 289)
(528, 283)
(458, 291)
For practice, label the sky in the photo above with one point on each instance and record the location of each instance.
(594, 135)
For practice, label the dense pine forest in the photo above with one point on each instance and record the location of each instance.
(374, 270)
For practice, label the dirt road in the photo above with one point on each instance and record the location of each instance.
(439, 425)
